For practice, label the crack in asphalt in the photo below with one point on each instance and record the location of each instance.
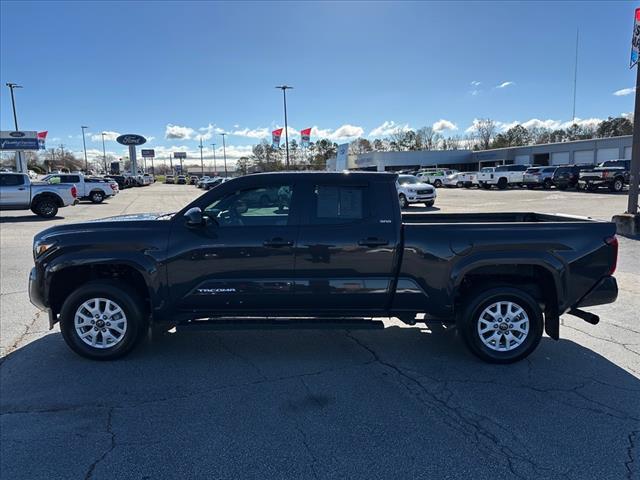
(466, 421)
(125, 405)
(112, 446)
(630, 464)
(608, 340)
(21, 337)
(241, 357)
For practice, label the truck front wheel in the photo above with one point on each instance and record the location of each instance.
(501, 325)
(617, 185)
(101, 320)
(404, 203)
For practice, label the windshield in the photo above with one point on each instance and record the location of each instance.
(407, 180)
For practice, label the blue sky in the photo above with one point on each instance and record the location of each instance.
(175, 71)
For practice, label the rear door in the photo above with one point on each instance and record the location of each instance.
(14, 190)
(348, 239)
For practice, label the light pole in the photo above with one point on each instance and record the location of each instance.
(18, 156)
(84, 145)
(13, 102)
(104, 154)
(215, 169)
(201, 159)
(284, 89)
(224, 153)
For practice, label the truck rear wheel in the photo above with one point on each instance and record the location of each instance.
(501, 325)
(102, 321)
(97, 196)
(46, 207)
(503, 183)
(437, 183)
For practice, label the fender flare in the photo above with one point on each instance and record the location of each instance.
(553, 265)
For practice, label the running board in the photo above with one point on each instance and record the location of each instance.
(281, 324)
(588, 317)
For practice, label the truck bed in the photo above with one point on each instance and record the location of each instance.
(474, 218)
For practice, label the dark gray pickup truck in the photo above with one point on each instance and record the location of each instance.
(330, 247)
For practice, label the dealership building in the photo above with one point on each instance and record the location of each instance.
(580, 152)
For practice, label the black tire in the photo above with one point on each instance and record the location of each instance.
(547, 184)
(469, 321)
(404, 203)
(562, 186)
(502, 183)
(459, 185)
(529, 186)
(437, 183)
(129, 302)
(617, 185)
(590, 187)
(429, 203)
(486, 186)
(46, 207)
(96, 197)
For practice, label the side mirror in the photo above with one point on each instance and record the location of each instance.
(194, 216)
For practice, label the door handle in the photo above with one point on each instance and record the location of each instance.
(278, 242)
(372, 242)
(22, 188)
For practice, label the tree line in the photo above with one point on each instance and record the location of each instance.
(485, 135)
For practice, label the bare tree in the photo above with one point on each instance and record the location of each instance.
(486, 130)
(428, 139)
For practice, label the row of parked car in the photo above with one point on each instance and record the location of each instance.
(44, 197)
(611, 174)
(205, 182)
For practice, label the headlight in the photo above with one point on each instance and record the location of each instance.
(411, 190)
(39, 248)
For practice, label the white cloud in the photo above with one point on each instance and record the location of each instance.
(476, 83)
(582, 122)
(252, 133)
(442, 124)
(388, 128)
(624, 91)
(505, 84)
(176, 132)
(474, 92)
(108, 136)
(627, 115)
(343, 132)
(538, 123)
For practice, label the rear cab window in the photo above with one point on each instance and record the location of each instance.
(9, 180)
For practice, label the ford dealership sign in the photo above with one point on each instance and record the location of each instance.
(131, 139)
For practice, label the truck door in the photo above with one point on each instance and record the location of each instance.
(347, 244)
(243, 259)
(15, 191)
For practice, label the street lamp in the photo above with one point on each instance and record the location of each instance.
(84, 145)
(213, 147)
(201, 159)
(13, 101)
(224, 153)
(284, 89)
(104, 154)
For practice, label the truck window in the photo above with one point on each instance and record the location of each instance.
(11, 180)
(341, 204)
(261, 206)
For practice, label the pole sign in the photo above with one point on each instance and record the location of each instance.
(635, 39)
(15, 140)
(148, 153)
(182, 155)
(131, 139)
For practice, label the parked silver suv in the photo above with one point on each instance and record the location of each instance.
(539, 177)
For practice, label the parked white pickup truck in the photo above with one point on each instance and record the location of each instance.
(88, 189)
(502, 176)
(17, 192)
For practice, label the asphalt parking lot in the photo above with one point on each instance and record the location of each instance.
(403, 402)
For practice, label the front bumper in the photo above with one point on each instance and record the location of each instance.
(605, 291)
(36, 295)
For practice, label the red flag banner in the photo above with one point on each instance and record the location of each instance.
(275, 137)
(305, 137)
(42, 136)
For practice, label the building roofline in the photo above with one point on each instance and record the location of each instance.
(554, 143)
